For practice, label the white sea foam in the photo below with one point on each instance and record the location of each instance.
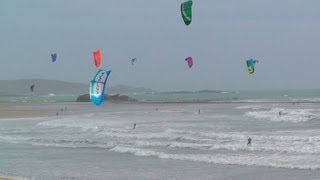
(315, 99)
(287, 115)
(273, 160)
(254, 107)
(283, 142)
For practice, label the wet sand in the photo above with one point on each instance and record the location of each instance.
(25, 110)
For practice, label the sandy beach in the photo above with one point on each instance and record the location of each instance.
(24, 110)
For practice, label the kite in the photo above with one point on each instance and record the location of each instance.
(133, 61)
(250, 65)
(97, 58)
(53, 57)
(186, 11)
(190, 61)
(98, 85)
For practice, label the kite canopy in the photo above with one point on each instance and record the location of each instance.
(53, 57)
(250, 65)
(97, 58)
(190, 61)
(186, 11)
(133, 61)
(32, 87)
(97, 86)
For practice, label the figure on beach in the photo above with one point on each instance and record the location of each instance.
(134, 126)
(199, 111)
(249, 142)
(280, 113)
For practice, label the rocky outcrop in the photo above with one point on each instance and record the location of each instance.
(112, 98)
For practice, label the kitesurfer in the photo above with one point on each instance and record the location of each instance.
(249, 142)
(32, 87)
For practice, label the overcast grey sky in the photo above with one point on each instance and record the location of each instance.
(282, 34)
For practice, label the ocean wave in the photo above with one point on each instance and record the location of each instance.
(73, 144)
(290, 142)
(70, 143)
(236, 147)
(288, 115)
(315, 99)
(254, 107)
(272, 160)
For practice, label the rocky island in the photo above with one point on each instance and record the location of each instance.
(112, 98)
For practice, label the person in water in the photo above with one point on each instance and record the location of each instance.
(199, 111)
(134, 125)
(280, 113)
(249, 142)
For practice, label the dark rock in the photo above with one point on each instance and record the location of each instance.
(112, 98)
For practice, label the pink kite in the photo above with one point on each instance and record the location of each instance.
(190, 61)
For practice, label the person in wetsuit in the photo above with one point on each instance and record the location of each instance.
(249, 142)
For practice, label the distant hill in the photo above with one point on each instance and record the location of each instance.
(44, 87)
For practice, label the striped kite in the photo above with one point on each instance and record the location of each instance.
(98, 85)
(186, 11)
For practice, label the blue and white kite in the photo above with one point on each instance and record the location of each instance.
(98, 85)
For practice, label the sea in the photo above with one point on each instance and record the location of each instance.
(201, 135)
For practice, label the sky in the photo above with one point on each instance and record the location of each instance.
(283, 35)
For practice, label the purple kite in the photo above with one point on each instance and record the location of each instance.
(190, 61)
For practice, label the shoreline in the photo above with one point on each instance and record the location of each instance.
(32, 110)
(10, 110)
